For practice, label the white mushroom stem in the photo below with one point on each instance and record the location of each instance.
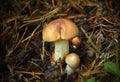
(69, 70)
(61, 49)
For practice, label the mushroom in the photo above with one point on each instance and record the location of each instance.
(76, 40)
(72, 60)
(60, 31)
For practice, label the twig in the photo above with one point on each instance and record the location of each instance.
(31, 73)
(43, 17)
(32, 34)
(90, 40)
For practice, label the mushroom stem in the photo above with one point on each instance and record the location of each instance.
(61, 49)
(69, 70)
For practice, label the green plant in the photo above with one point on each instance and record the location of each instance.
(113, 69)
(92, 80)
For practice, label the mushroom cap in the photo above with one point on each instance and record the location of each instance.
(72, 60)
(60, 29)
(76, 40)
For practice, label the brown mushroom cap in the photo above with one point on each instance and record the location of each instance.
(60, 29)
(76, 40)
(72, 60)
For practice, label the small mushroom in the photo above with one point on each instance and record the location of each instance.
(76, 40)
(60, 31)
(72, 60)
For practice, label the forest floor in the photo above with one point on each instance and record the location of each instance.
(25, 57)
